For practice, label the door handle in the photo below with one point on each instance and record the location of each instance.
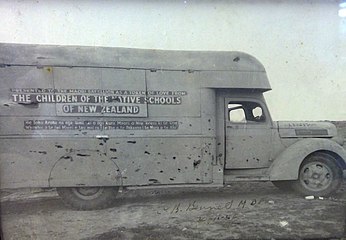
(102, 136)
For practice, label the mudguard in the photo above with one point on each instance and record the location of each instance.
(81, 168)
(286, 165)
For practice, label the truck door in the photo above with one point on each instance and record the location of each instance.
(248, 134)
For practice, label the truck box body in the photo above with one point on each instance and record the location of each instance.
(85, 116)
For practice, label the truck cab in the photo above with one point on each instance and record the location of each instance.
(258, 148)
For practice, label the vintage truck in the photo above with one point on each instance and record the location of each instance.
(91, 120)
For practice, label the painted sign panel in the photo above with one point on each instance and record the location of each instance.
(99, 125)
(91, 102)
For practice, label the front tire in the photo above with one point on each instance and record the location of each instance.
(88, 198)
(319, 175)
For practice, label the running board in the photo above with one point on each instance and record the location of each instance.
(175, 186)
(244, 178)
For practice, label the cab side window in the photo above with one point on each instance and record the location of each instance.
(236, 113)
(245, 112)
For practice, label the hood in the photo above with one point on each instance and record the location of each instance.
(306, 129)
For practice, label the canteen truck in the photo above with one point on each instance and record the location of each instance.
(89, 121)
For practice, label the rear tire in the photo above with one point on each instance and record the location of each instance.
(88, 198)
(319, 175)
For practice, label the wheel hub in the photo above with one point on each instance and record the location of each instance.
(316, 176)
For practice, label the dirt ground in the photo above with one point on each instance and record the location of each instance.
(238, 211)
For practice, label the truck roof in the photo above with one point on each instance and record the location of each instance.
(253, 76)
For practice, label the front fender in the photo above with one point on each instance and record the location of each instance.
(286, 165)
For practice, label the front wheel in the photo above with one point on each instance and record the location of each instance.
(88, 198)
(319, 175)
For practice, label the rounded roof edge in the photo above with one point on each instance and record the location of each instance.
(59, 55)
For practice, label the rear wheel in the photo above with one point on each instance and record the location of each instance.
(319, 175)
(88, 198)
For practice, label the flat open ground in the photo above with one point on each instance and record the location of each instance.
(240, 210)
